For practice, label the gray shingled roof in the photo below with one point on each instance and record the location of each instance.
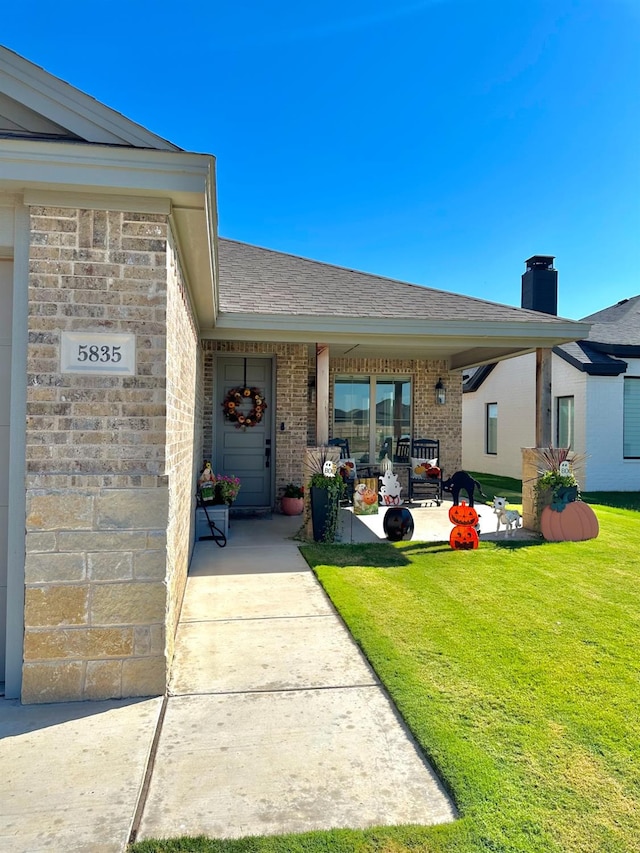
(615, 332)
(618, 324)
(263, 281)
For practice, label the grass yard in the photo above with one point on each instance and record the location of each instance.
(517, 668)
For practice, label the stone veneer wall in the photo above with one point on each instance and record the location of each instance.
(96, 491)
(429, 419)
(289, 407)
(183, 376)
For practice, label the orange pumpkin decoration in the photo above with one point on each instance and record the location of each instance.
(464, 536)
(463, 514)
(575, 523)
(369, 497)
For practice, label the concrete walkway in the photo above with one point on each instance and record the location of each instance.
(274, 722)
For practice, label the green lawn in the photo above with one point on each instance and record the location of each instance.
(517, 668)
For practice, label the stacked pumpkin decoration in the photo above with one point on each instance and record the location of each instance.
(464, 536)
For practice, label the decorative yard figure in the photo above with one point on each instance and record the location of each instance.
(511, 518)
(365, 498)
(390, 488)
(462, 480)
(464, 536)
(206, 475)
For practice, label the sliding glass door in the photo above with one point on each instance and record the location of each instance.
(372, 413)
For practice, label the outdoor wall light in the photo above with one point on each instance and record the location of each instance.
(441, 394)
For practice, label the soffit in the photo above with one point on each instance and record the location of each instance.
(460, 343)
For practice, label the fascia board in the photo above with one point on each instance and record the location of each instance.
(70, 108)
(25, 162)
(521, 332)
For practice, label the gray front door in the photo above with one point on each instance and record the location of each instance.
(245, 452)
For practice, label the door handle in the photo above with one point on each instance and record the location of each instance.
(267, 454)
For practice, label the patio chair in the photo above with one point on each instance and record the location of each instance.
(343, 444)
(403, 447)
(425, 480)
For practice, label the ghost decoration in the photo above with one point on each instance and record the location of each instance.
(390, 489)
(329, 468)
(565, 468)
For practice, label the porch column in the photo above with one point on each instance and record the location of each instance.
(322, 394)
(543, 397)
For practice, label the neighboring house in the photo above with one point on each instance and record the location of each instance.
(595, 405)
(124, 323)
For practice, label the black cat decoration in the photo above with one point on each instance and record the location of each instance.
(462, 481)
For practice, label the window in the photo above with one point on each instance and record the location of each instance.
(631, 418)
(492, 428)
(564, 422)
(372, 412)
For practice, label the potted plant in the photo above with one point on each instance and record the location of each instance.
(217, 488)
(292, 501)
(557, 484)
(326, 489)
(562, 515)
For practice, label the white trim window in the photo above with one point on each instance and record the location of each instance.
(631, 418)
(372, 413)
(491, 429)
(564, 421)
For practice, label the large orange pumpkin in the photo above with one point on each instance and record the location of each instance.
(464, 537)
(463, 514)
(575, 523)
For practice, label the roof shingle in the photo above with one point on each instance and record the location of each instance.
(263, 281)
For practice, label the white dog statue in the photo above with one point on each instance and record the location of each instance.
(511, 518)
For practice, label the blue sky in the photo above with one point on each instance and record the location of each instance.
(440, 142)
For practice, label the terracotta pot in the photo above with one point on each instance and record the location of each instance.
(292, 506)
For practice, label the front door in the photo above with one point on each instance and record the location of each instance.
(245, 451)
(6, 313)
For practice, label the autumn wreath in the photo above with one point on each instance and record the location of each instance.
(236, 405)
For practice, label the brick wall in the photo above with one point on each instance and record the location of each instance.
(183, 358)
(96, 490)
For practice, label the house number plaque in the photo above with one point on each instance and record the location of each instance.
(97, 352)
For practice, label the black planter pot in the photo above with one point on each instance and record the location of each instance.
(321, 512)
(398, 523)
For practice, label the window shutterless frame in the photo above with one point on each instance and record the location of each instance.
(491, 429)
(371, 411)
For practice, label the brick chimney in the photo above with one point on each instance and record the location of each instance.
(540, 285)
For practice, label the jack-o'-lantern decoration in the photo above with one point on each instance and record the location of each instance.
(575, 523)
(463, 514)
(464, 536)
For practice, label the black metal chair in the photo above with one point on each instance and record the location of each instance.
(343, 444)
(422, 486)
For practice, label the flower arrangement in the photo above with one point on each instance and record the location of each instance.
(557, 484)
(217, 488)
(227, 487)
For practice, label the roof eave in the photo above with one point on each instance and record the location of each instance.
(62, 174)
(462, 343)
